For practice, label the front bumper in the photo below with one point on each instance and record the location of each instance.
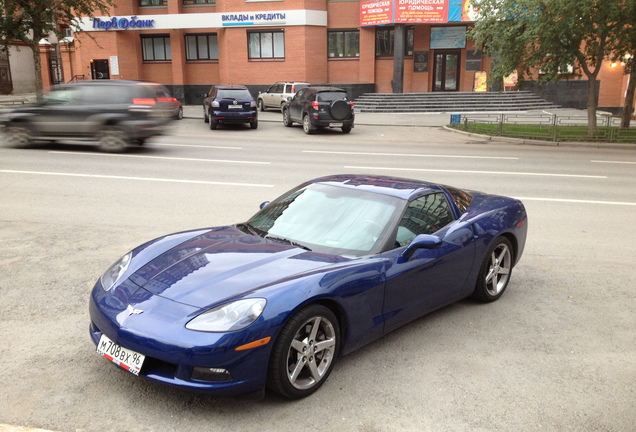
(175, 355)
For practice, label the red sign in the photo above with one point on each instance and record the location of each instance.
(376, 12)
(421, 11)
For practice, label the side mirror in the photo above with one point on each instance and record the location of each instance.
(422, 241)
(264, 204)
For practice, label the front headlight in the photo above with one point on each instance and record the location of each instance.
(229, 317)
(112, 275)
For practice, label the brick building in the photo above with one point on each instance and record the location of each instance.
(191, 44)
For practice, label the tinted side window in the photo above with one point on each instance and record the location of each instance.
(424, 215)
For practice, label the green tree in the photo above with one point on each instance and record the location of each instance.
(29, 21)
(550, 36)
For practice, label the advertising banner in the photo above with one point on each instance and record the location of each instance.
(376, 12)
(421, 11)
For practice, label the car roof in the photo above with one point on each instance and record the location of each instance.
(394, 186)
(113, 82)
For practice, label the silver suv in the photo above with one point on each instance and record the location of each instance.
(276, 96)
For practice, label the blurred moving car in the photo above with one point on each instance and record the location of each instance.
(319, 107)
(276, 96)
(226, 104)
(115, 113)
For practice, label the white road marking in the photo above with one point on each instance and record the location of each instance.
(410, 155)
(197, 146)
(477, 172)
(613, 162)
(577, 201)
(161, 157)
(111, 177)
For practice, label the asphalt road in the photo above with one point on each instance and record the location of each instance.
(556, 353)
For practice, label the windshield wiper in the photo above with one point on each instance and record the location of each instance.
(287, 241)
(249, 229)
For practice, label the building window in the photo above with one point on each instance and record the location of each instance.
(153, 2)
(266, 44)
(384, 40)
(156, 48)
(343, 43)
(199, 2)
(202, 47)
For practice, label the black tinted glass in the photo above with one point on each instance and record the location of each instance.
(234, 94)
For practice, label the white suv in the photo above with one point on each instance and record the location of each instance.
(276, 96)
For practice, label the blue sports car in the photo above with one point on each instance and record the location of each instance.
(326, 268)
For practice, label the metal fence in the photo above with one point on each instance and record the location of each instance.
(547, 127)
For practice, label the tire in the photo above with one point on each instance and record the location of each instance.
(305, 351)
(206, 118)
(287, 121)
(495, 272)
(339, 109)
(261, 105)
(346, 129)
(307, 125)
(112, 139)
(254, 124)
(16, 135)
(213, 124)
(180, 114)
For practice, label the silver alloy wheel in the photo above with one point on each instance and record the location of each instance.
(306, 124)
(112, 139)
(499, 266)
(16, 136)
(311, 353)
(286, 119)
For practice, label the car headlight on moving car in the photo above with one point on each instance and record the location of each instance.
(112, 275)
(229, 317)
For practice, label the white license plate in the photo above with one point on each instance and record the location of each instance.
(235, 106)
(335, 124)
(128, 359)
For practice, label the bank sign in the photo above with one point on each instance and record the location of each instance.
(115, 23)
(381, 12)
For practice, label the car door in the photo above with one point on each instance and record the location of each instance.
(431, 277)
(63, 112)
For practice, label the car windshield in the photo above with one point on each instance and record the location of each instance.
(329, 219)
(234, 94)
(331, 96)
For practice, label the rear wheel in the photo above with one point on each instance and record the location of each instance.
(346, 129)
(307, 124)
(287, 121)
(495, 272)
(180, 113)
(254, 124)
(304, 353)
(17, 136)
(112, 139)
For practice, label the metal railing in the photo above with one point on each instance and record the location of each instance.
(547, 127)
(77, 78)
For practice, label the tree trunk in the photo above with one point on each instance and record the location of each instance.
(591, 106)
(628, 107)
(35, 47)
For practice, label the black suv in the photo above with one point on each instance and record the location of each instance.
(317, 107)
(229, 104)
(114, 113)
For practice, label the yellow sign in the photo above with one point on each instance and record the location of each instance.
(481, 81)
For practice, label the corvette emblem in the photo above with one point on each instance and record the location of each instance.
(131, 310)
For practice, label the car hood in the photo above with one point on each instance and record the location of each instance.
(226, 263)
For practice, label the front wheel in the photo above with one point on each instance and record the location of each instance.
(261, 105)
(495, 272)
(305, 352)
(17, 136)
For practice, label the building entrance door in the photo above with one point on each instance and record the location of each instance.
(99, 69)
(446, 70)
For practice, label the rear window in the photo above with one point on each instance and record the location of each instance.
(331, 96)
(234, 94)
(462, 198)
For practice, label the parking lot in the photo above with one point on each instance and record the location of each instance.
(557, 352)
